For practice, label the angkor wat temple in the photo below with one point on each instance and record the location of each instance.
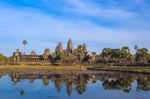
(70, 55)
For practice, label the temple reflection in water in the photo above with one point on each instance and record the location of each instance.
(80, 82)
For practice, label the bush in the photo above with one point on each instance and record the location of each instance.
(3, 58)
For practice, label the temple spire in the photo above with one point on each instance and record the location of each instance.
(70, 45)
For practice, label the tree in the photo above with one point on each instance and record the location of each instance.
(33, 53)
(126, 48)
(81, 50)
(89, 57)
(69, 88)
(84, 47)
(3, 58)
(22, 92)
(81, 85)
(106, 54)
(142, 56)
(124, 55)
(58, 84)
(24, 43)
(136, 47)
(17, 50)
(46, 54)
(115, 57)
(45, 80)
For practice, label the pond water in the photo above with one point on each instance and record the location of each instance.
(74, 86)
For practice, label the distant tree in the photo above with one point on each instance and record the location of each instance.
(46, 53)
(142, 56)
(53, 55)
(81, 50)
(115, 57)
(61, 56)
(106, 54)
(24, 43)
(149, 59)
(136, 47)
(4, 58)
(17, 50)
(85, 47)
(126, 48)
(89, 57)
(33, 53)
(125, 55)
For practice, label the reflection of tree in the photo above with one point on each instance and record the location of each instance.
(58, 84)
(15, 78)
(143, 83)
(79, 81)
(31, 80)
(22, 92)
(69, 88)
(81, 85)
(45, 80)
(1, 75)
(119, 84)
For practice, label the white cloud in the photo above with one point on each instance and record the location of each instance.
(86, 8)
(44, 31)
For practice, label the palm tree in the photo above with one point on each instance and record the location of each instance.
(125, 55)
(106, 54)
(46, 54)
(136, 47)
(115, 55)
(81, 50)
(142, 56)
(24, 43)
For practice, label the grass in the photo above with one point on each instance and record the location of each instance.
(77, 68)
(122, 68)
(2, 67)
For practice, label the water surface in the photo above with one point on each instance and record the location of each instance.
(74, 86)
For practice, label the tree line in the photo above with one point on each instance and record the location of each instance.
(124, 56)
(81, 55)
(4, 59)
(80, 82)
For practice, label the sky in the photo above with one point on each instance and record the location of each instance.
(98, 23)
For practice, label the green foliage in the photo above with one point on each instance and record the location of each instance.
(65, 57)
(3, 58)
(142, 56)
(122, 56)
(24, 42)
(46, 54)
(33, 53)
(81, 50)
(136, 47)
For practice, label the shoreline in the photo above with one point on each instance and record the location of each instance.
(130, 69)
(73, 69)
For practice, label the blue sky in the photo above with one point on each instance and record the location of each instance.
(98, 23)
